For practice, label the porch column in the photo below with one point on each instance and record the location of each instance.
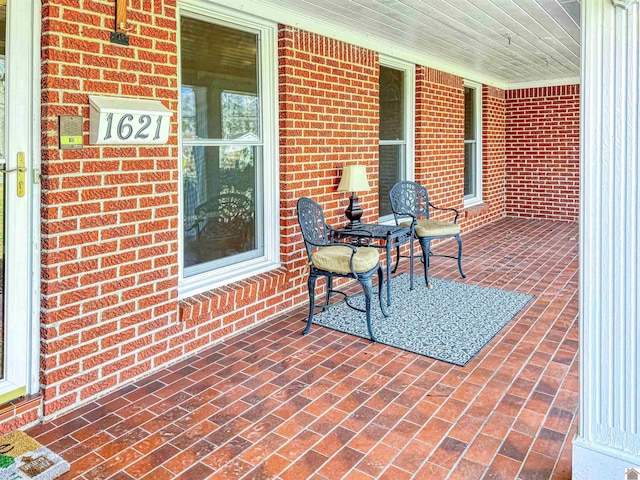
(608, 439)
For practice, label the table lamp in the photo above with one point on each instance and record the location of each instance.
(354, 179)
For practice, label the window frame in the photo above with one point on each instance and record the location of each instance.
(408, 165)
(475, 199)
(267, 174)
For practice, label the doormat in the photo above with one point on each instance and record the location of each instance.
(21, 457)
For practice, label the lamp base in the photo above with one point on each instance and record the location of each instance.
(353, 211)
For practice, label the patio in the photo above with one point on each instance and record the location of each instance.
(271, 403)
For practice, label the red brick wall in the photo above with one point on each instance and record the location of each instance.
(543, 152)
(20, 412)
(328, 118)
(109, 215)
(439, 149)
(493, 161)
(440, 146)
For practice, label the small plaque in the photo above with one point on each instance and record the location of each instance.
(70, 131)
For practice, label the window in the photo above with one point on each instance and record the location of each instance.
(228, 146)
(396, 130)
(472, 143)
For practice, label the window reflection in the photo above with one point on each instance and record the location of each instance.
(222, 146)
(240, 116)
(219, 203)
(471, 180)
(392, 135)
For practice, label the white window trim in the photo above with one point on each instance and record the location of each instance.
(470, 200)
(268, 84)
(409, 70)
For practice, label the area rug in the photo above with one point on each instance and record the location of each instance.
(451, 322)
(21, 457)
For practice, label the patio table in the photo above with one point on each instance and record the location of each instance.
(386, 236)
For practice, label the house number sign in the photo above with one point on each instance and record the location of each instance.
(128, 121)
(127, 126)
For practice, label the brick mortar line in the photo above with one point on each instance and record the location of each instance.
(234, 331)
(478, 394)
(552, 238)
(555, 396)
(550, 327)
(525, 364)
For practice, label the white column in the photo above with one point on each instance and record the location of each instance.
(608, 439)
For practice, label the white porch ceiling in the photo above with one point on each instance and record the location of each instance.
(513, 42)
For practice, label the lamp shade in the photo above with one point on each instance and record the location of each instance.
(354, 179)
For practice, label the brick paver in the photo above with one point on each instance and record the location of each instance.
(271, 403)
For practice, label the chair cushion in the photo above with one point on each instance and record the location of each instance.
(433, 228)
(337, 258)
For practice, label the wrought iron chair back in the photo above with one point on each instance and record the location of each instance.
(315, 231)
(410, 199)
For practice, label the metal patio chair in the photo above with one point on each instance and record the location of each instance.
(410, 205)
(329, 258)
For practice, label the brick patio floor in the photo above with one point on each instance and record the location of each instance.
(271, 403)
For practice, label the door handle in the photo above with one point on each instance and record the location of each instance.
(21, 169)
(17, 169)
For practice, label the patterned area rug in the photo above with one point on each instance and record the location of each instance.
(451, 322)
(21, 457)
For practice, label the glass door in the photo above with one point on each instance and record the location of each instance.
(16, 83)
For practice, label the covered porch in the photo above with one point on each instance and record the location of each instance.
(271, 403)
(137, 350)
